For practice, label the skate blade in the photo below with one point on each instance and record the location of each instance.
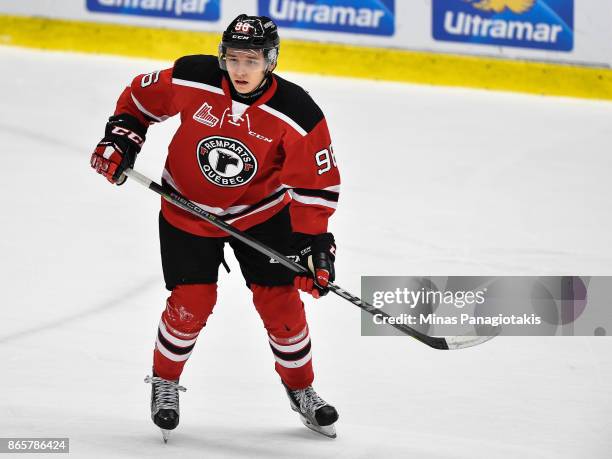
(165, 434)
(327, 431)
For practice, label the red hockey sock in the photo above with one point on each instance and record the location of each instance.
(187, 310)
(282, 312)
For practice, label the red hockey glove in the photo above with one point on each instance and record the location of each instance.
(123, 139)
(317, 253)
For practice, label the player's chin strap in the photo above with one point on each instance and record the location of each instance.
(444, 343)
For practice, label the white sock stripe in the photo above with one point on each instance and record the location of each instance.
(292, 339)
(173, 339)
(292, 347)
(170, 355)
(294, 363)
(177, 333)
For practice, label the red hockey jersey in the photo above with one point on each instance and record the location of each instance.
(241, 162)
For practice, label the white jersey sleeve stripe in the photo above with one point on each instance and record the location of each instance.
(285, 118)
(213, 210)
(193, 84)
(147, 112)
(259, 209)
(334, 188)
(313, 200)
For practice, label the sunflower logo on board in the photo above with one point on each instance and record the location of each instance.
(516, 6)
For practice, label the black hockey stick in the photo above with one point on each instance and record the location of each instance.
(444, 343)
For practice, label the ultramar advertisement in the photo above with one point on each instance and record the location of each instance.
(362, 17)
(199, 10)
(539, 24)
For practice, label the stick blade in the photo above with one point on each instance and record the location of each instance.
(463, 342)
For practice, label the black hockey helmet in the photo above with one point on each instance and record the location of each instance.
(251, 32)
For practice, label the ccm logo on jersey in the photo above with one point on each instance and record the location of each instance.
(225, 161)
(260, 137)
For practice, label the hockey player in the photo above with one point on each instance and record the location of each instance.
(253, 149)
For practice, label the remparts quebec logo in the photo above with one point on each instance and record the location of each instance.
(372, 17)
(540, 24)
(198, 10)
(225, 161)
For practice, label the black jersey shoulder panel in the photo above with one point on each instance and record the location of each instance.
(199, 68)
(293, 101)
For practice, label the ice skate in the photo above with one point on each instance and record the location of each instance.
(315, 413)
(164, 404)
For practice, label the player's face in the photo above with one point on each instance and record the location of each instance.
(246, 68)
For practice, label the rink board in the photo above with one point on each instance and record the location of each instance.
(558, 79)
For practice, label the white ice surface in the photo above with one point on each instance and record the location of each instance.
(435, 182)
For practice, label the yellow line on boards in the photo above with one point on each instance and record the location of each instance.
(318, 58)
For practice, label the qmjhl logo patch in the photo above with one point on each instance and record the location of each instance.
(204, 115)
